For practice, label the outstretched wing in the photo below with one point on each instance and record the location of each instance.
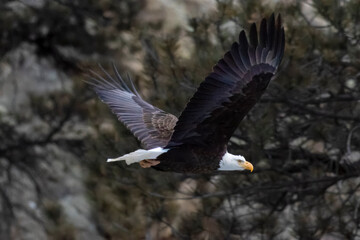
(232, 89)
(152, 126)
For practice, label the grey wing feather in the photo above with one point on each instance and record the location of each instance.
(151, 125)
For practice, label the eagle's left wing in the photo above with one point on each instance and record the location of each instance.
(232, 89)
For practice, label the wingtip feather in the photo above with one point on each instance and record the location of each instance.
(253, 36)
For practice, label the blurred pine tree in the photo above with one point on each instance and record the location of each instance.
(303, 137)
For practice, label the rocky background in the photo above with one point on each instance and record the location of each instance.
(55, 135)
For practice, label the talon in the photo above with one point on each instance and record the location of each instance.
(148, 163)
(144, 164)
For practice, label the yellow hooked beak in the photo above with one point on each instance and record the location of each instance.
(247, 165)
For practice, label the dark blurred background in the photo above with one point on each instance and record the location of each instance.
(55, 134)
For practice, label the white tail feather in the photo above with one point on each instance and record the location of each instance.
(139, 155)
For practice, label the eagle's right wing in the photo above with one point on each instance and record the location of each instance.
(152, 126)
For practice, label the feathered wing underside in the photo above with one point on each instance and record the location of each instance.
(237, 82)
(152, 126)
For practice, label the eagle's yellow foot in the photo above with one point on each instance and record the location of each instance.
(148, 163)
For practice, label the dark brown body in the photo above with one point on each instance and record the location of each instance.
(190, 159)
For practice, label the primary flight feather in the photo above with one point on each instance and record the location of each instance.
(197, 141)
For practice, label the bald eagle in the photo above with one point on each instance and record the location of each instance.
(196, 142)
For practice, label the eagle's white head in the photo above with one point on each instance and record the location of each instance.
(231, 162)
